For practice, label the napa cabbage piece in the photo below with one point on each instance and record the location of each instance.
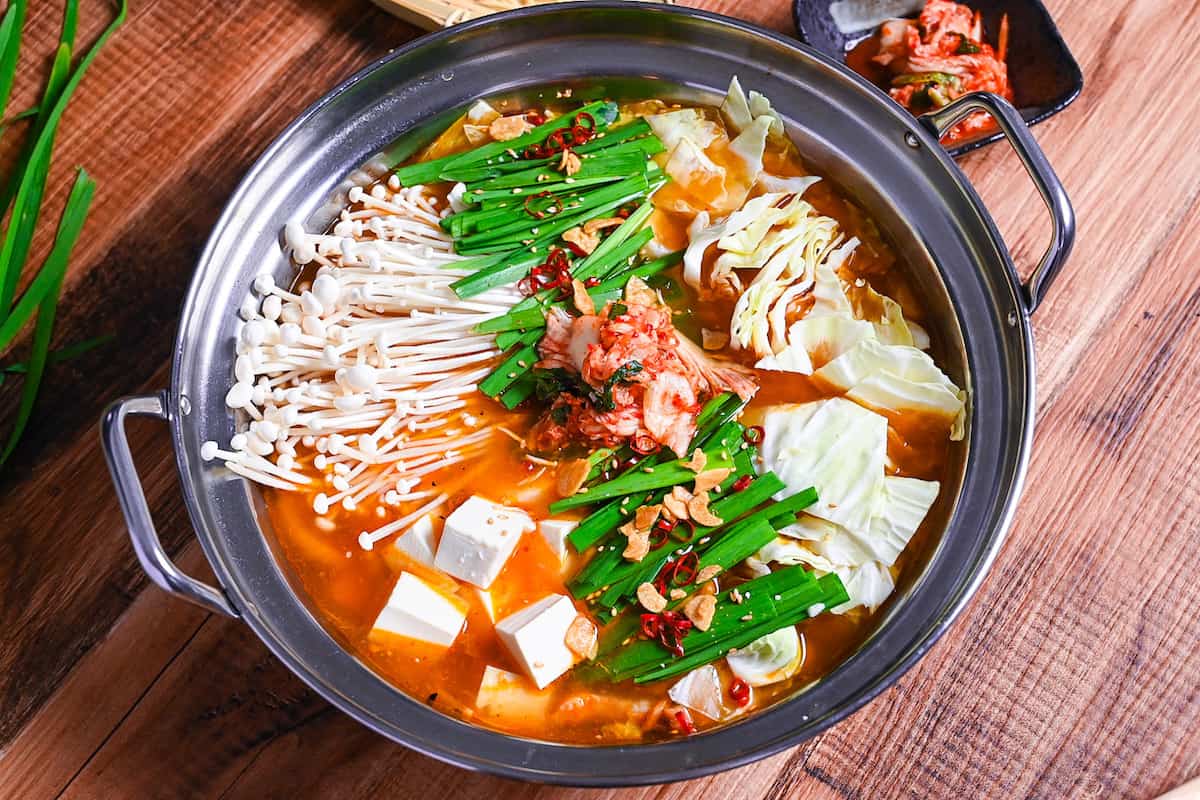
(807, 342)
(868, 585)
(896, 379)
(750, 145)
(814, 341)
(903, 506)
(703, 233)
(700, 690)
(871, 354)
(863, 518)
(690, 166)
(834, 445)
(886, 315)
(741, 111)
(685, 124)
(702, 155)
(796, 184)
(768, 659)
(786, 244)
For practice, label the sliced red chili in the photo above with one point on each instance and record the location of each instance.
(531, 205)
(753, 435)
(684, 719)
(584, 117)
(684, 532)
(739, 690)
(742, 483)
(674, 627)
(685, 570)
(591, 282)
(576, 249)
(535, 117)
(553, 273)
(657, 537)
(668, 629)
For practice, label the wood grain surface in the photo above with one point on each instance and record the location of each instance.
(1073, 673)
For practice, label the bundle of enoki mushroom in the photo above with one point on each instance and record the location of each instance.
(353, 384)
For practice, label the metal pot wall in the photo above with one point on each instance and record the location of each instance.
(889, 162)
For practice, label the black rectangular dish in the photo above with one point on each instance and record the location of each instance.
(1044, 75)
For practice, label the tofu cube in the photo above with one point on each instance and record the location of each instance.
(478, 538)
(505, 695)
(418, 611)
(420, 542)
(489, 605)
(555, 532)
(536, 637)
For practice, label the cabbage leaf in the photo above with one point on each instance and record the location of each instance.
(834, 445)
(768, 659)
(673, 127)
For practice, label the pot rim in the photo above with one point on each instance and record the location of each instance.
(952, 604)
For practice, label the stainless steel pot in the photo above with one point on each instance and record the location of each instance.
(891, 163)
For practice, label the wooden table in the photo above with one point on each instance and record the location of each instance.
(1073, 673)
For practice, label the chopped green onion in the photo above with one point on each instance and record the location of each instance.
(54, 268)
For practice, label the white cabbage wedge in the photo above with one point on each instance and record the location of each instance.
(768, 659)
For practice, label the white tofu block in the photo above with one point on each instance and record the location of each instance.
(485, 599)
(555, 532)
(536, 636)
(420, 541)
(507, 695)
(418, 611)
(478, 538)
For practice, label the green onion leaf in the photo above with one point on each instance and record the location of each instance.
(55, 266)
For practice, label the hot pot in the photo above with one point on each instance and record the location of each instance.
(888, 161)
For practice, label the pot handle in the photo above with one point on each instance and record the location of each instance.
(1016, 131)
(154, 559)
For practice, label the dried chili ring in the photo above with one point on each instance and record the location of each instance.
(739, 690)
(684, 531)
(555, 142)
(657, 538)
(686, 567)
(753, 435)
(684, 719)
(532, 210)
(741, 483)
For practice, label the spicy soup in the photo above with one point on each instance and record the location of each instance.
(599, 422)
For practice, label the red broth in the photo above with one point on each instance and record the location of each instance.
(346, 586)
